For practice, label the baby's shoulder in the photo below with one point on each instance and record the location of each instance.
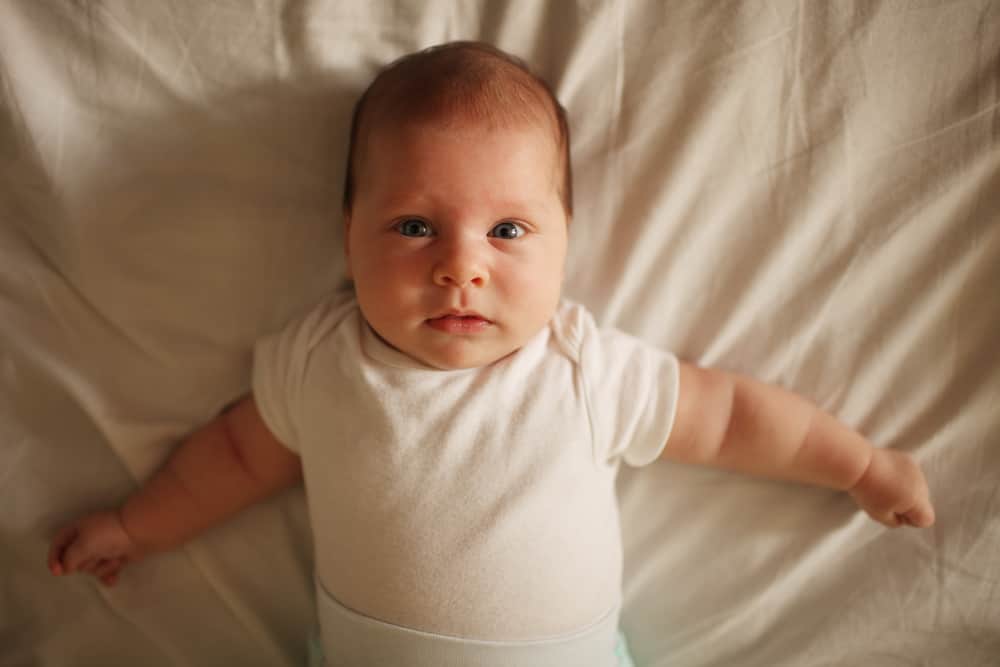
(571, 326)
(317, 324)
(596, 346)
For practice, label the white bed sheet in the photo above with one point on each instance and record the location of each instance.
(808, 192)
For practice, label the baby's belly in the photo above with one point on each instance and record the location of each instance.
(491, 586)
(493, 568)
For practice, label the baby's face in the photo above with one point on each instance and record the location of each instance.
(457, 240)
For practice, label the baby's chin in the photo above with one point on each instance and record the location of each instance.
(453, 351)
(461, 357)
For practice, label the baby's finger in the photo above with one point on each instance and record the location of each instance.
(58, 548)
(919, 517)
(76, 557)
(110, 580)
(106, 568)
(89, 566)
(83, 555)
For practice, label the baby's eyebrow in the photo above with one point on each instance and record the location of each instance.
(402, 201)
(521, 209)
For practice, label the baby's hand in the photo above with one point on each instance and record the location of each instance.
(96, 544)
(893, 491)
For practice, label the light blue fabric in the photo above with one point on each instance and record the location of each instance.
(621, 651)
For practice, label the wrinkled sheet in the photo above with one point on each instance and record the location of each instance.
(807, 192)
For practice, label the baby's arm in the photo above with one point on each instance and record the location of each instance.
(224, 467)
(734, 422)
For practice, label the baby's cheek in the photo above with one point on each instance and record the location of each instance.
(540, 297)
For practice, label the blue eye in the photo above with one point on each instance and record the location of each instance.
(413, 228)
(507, 230)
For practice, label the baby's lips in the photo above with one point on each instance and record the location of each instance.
(459, 323)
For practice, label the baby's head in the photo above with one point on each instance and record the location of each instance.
(457, 202)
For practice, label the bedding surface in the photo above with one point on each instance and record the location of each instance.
(806, 192)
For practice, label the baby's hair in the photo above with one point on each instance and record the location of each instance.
(456, 82)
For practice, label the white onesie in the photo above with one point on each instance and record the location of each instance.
(475, 504)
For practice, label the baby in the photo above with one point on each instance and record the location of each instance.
(457, 425)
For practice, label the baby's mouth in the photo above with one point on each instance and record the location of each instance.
(460, 323)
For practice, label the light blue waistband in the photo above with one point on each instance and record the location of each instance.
(350, 639)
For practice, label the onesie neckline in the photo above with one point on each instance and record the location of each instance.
(376, 347)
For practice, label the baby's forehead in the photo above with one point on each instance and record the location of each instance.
(460, 117)
(399, 161)
(388, 133)
(415, 154)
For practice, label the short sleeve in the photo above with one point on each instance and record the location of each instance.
(631, 389)
(281, 363)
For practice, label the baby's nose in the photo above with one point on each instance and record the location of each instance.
(460, 266)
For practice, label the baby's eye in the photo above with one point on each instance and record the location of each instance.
(413, 228)
(507, 230)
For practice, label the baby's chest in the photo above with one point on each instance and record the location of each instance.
(376, 460)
